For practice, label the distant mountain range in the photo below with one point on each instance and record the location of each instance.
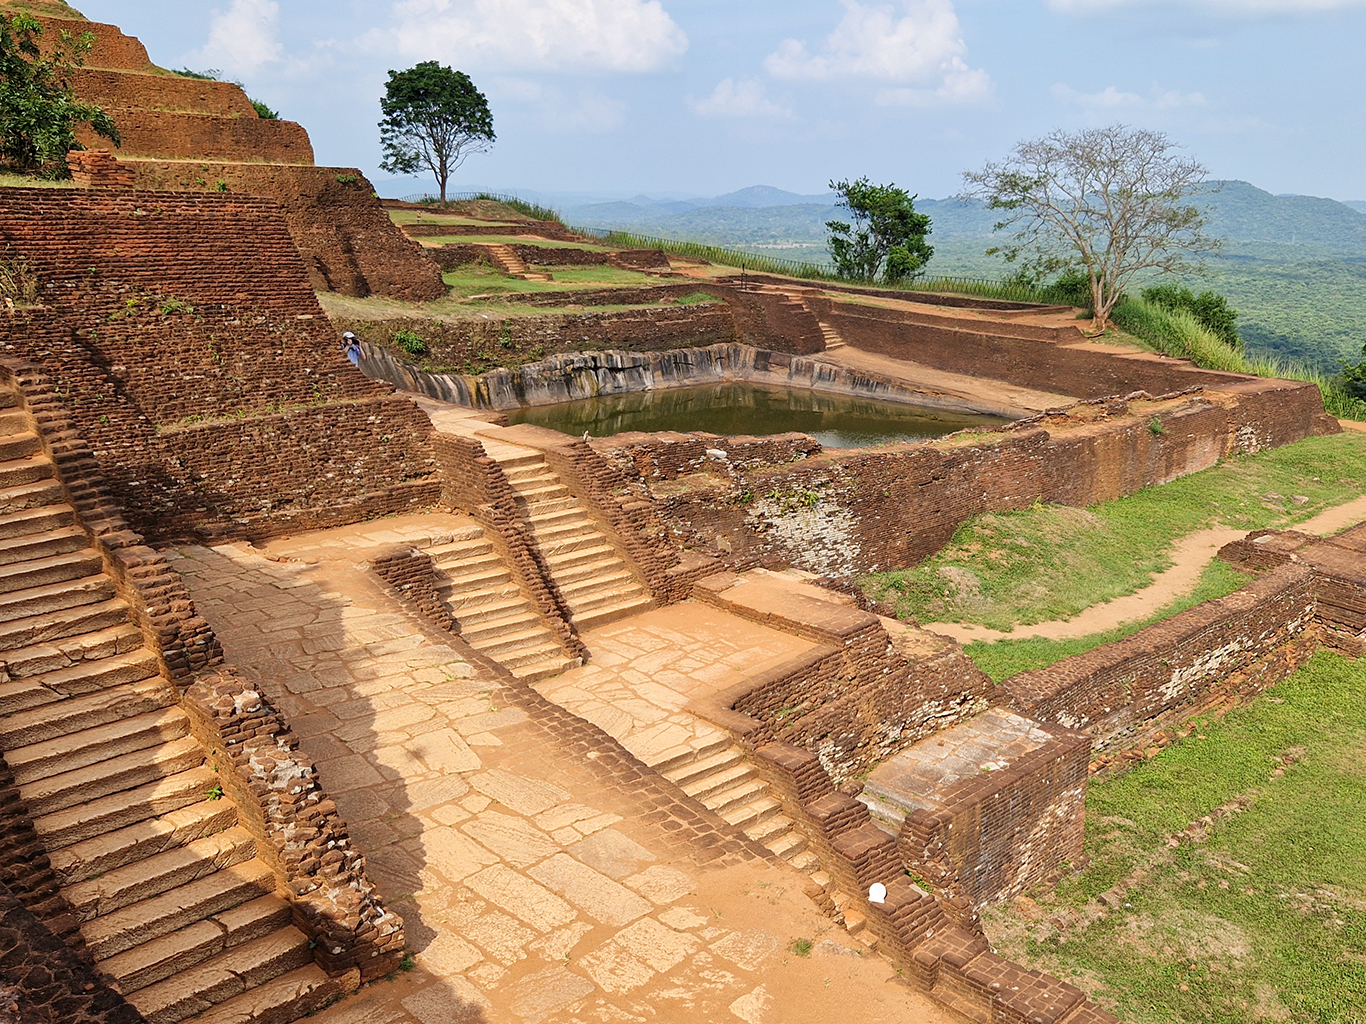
(769, 217)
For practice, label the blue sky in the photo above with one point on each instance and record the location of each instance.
(700, 97)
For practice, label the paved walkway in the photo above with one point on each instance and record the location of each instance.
(645, 669)
(540, 877)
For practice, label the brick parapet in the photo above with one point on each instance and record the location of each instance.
(43, 980)
(1248, 640)
(460, 254)
(412, 575)
(668, 455)
(281, 800)
(935, 943)
(475, 484)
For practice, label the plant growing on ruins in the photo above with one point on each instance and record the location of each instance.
(39, 113)
(1111, 203)
(887, 238)
(18, 282)
(433, 117)
(411, 342)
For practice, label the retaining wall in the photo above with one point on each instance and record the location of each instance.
(178, 135)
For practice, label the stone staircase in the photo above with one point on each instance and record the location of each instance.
(506, 260)
(832, 337)
(718, 776)
(496, 617)
(596, 582)
(174, 904)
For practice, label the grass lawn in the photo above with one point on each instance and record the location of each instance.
(1050, 562)
(1002, 659)
(1264, 918)
(481, 279)
(540, 243)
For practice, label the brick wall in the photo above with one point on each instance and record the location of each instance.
(175, 135)
(196, 363)
(893, 507)
(996, 835)
(667, 455)
(348, 243)
(112, 49)
(1238, 644)
(160, 92)
(1002, 352)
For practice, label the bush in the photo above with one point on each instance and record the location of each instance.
(527, 209)
(1070, 289)
(1209, 308)
(410, 342)
(1354, 378)
(264, 112)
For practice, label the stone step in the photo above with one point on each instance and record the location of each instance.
(54, 597)
(719, 780)
(83, 677)
(42, 545)
(531, 654)
(33, 494)
(543, 669)
(806, 862)
(19, 445)
(152, 876)
(112, 850)
(747, 815)
(119, 810)
(510, 457)
(77, 714)
(614, 589)
(28, 521)
(488, 576)
(286, 999)
(552, 533)
(171, 954)
(788, 845)
(698, 768)
(542, 518)
(519, 619)
(127, 771)
(505, 644)
(531, 466)
(13, 420)
(562, 563)
(81, 749)
(534, 493)
(38, 572)
(232, 973)
(462, 551)
(473, 613)
(61, 623)
(9, 398)
(611, 613)
(771, 830)
(169, 912)
(70, 651)
(28, 470)
(676, 757)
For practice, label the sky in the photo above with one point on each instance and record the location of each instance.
(610, 98)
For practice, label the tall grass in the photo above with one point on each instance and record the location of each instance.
(1177, 333)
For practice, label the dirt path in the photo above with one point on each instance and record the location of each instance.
(1189, 557)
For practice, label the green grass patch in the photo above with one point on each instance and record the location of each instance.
(1002, 659)
(694, 298)
(1263, 920)
(482, 279)
(1050, 562)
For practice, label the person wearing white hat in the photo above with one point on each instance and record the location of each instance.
(351, 348)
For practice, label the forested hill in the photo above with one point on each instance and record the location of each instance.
(1241, 212)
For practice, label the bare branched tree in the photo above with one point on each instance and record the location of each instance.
(1110, 203)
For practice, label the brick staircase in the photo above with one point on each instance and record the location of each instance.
(506, 260)
(496, 617)
(174, 905)
(595, 581)
(718, 776)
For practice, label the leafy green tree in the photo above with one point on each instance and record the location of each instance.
(887, 237)
(1354, 378)
(1210, 309)
(1112, 203)
(433, 116)
(39, 113)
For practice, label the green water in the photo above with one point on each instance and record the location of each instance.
(836, 421)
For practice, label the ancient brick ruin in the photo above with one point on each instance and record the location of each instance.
(302, 670)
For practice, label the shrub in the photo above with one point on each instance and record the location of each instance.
(410, 342)
(18, 282)
(527, 209)
(264, 112)
(1209, 308)
(1070, 289)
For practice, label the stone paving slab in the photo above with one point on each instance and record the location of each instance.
(540, 876)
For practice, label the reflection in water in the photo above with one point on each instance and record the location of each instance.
(836, 421)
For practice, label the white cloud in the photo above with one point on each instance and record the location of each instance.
(1112, 99)
(242, 38)
(581, 35)
(916, 45)
(743, 99)
(1245, 8)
